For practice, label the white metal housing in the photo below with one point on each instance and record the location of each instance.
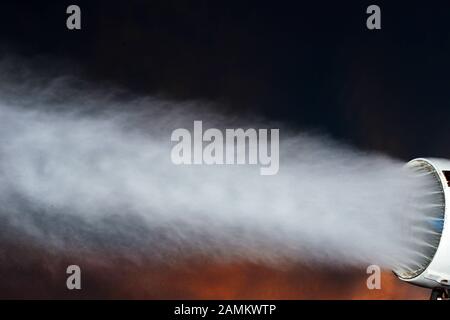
(435, 271)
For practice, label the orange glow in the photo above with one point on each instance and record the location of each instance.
(250, 281)
(37, 274)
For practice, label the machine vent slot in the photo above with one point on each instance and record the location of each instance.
(447, 177)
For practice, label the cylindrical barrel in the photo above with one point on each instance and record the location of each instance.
(430, 263)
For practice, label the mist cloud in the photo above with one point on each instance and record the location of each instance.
(87, 172)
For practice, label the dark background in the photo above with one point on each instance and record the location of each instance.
(312, 65)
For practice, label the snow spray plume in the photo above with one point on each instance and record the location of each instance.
(76, 178)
